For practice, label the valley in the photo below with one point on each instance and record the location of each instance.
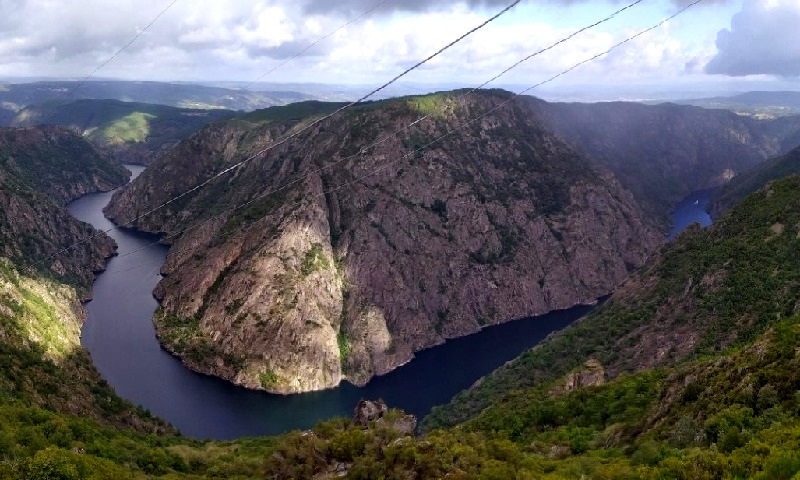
(348, 283)
(510, 220)
(120, 337)
(374, 240)
(119, 329)
(466, 391)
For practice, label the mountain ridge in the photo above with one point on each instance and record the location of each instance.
(127, 131)
(662, 153)
(41, 170)
(750, 181)
(467, 209)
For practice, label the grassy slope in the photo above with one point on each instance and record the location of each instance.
(132, 128)
(122, 125)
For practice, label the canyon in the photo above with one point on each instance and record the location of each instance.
(368, 257)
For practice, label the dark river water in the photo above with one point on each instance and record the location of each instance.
(120, 337)
(692, 209)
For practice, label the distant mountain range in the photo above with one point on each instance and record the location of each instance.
(763, 104)
(15, 96)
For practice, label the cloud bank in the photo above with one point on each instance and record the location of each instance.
(763, 39)
(232, 40)
(328, 6)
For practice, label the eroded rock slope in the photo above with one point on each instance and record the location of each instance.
(41, 169)
(367, 258)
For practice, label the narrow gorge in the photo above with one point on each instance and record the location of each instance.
(374, 253)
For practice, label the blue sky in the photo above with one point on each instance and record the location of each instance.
(237, 40)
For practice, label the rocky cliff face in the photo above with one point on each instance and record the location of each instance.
(366, 259)
(754, 179)
(662, 153)
(705, 292)
(41, 169)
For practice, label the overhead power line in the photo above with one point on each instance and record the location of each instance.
(133, 39)
(316, 42)
(389, 136)
(472, 121)
(295, 133)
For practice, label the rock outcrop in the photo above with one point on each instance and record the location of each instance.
(368, 413)
(348, 258)
(591, 374)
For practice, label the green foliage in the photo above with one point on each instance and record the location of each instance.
(132, 128)
(724, 287)
(292, 112)
(268, 379)
(578, 419)
(434, 104)
(344, 346)
(314, 260)
(37, 444)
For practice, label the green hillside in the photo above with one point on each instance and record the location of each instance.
(707, 292)
(714, 397)
(292, 112)
(132, 132)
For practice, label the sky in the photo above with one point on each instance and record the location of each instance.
(735, 44)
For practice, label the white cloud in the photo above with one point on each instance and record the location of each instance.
(234, 40)
(764, 38)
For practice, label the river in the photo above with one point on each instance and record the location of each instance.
(120, 337)
(692, 209)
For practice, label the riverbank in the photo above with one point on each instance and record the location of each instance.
(120, 337)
